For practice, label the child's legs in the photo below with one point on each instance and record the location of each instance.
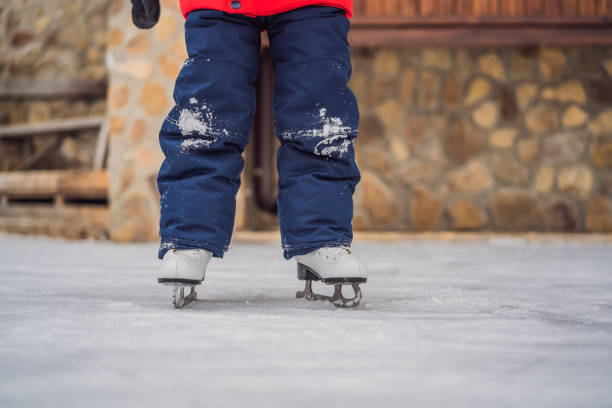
(317, 121)
(205, 133)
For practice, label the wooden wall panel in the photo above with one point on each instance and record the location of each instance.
(482, 22)
(479, 7)
(513, 8)
(464, 7)
(604, 8)
(391, 6)
(535, 8)
(552, 8)
(410, 8)
(493, 7)
(447, 7)
(430, 8)
(569, 8)
(484, 8)
(587, 7)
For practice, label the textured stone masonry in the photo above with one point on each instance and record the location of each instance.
(53, 39)
(143, 66)
(463, 139)
(484, 139)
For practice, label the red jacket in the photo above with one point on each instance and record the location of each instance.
(261, 7)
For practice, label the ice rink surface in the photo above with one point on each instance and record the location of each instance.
(492, 323)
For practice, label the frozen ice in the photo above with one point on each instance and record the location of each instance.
(498, 322)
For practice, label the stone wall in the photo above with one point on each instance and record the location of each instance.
(484, 139)
(143, 66)
(53, 39)
(450, 139)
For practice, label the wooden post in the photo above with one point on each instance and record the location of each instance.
(52, 127)
(59, 201)
(263, 135)
(101, 145)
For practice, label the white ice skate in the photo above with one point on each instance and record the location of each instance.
(183, 268)
(332, 266)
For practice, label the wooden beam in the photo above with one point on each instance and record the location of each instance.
(486, 21)
(85, 184)
(74, 222)
(101, 145)
(479, 36)
(53, 89)
(56, 126)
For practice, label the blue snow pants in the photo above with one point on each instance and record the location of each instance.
(316, 121)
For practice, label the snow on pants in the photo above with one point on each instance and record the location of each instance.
(205, 134)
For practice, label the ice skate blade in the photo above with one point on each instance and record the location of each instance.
(305, 273)
(336, 299)
(179, 300)
(178, 282)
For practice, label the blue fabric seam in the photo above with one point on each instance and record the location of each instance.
(317, 244)
(215, 249)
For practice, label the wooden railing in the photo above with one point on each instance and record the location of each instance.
(65, 202)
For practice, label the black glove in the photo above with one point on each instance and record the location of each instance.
(145, 13)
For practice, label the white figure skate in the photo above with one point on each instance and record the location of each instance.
(183, 268)
(332, 266)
